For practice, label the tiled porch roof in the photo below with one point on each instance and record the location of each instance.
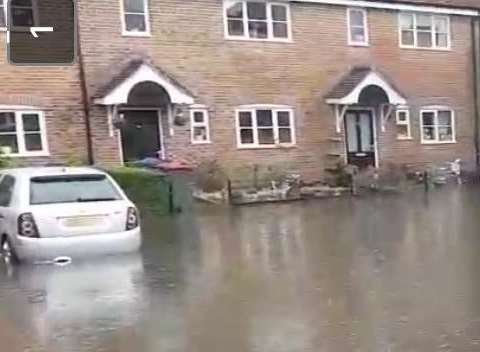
(348, 83)
(128, 70)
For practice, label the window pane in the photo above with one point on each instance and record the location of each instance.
(257, 10)
(283, 118)
(406, 21)
(235, 27)
(246, 136)
(245, 119)
(428, 118)
(402, 131)
(264, 118)
(33, 142)
(6, 188)
(72, 189)
(200, 134)
(31, 123)
(135, 6)
(445, 118)
(235, 11)
(445, 134)
(8, 144)
(198, 117)
(257, 29)
(2, 17)
(441, 25)
(24, 3)
(284, 135)
(358, 34)
(424, 22)
(22, 17)
(441, 40)
(135, 23)
(356, 18)
(402, 116)
(279, 13)
(429, 133)
(7, 122)
(408, 38)
(424, 39)
(265, 136)
(280, 30)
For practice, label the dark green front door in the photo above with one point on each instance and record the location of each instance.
(140, 135)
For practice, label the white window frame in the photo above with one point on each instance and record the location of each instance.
(146, 14)
(275, 109)
(435, 110)
(364, 12)
(407, 123)
(20, 133)
(246, 33)
(205, 124)
(415, 32)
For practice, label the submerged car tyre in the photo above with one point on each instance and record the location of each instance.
(7, 252)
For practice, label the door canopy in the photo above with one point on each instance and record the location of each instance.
(137, 76)
(364, 86)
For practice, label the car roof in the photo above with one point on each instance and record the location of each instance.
(30, 172)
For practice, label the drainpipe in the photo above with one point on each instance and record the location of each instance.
(85, 98)
(476, 83)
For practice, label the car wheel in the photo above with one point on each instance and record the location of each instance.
(7, 252)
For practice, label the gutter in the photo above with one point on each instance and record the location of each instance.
(85, 98)
(475, 23)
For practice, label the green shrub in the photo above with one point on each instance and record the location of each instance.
(210, 177)
(147, 189)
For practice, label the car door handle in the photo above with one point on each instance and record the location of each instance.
(2, 216)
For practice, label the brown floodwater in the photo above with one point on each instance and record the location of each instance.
(385, 273)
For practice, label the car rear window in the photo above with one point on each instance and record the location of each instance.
(72, 189)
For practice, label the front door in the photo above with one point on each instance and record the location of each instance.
(360, 138)
(140, 135)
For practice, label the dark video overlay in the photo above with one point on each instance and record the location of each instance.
(41, 32)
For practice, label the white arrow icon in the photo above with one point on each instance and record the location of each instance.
(35, 30)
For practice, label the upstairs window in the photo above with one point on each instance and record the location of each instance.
(424, 31)
(438, 125)
(200, 129)
(257, 20)
(357, 27)
(135, 19)
(264, 127)
(22, 133)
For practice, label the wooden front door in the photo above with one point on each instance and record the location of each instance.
(140, 135)
(360, 138)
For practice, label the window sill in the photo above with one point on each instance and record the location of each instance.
(437, 142)
(425, 49)
(28, 155)
(262, 147)
(137, 34)
(359, 45)
(200, 143)
(259, 40)
(404, 138)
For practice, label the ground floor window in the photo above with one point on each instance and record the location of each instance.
(200, 129)
(437, 125)
(22, 133)
(403, 124)
(265, 127)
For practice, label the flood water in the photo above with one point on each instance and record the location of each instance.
(390, 273)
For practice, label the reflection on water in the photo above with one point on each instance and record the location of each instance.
(394, 273)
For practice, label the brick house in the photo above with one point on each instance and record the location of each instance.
(301, 83)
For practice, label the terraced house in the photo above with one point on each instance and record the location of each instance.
(302, 83)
